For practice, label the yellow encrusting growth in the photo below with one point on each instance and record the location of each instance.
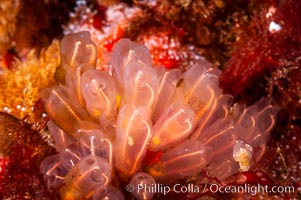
(243, 156)
(9, 10)
(20, 87)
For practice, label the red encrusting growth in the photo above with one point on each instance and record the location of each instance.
(268, 62)
(8, 58)
(152, 157)
(277, 40)
(168, 62)
(109, 44)
(100, 17)
(22, 149)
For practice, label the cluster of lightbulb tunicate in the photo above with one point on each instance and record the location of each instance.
(104, 122)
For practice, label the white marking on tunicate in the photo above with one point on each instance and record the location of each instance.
(51, 169)
(139, 155)
(60, 177)
(76, 156)
(130, 57)
(72, 163)
(107, 179)
(152, 94)
(93, 51)
(110, 150)
(75, 53)
(92, 146)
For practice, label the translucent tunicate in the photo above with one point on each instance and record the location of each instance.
(168, 80)
(258, 142)
(70, 157)
(222, 166)
(254, 124)
(126, 51)
(53, 170)
(63, 108)
(73, 80)
(93, 142)
(133, 133)
(144, 185)
(185, 159)
(222, 131)
(199, 79)
(86, 176)
(174, 125)
(77, 49)
(99, 91)
(256, 119)
(266, 114)
(216, 108)
(60, 138)
(140, 85)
